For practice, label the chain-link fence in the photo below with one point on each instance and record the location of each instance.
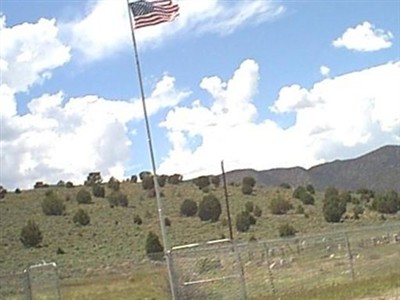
(43, 281)
(284, 267)
(273, 269)
(13, 286)
(208, 271)
(38, 281)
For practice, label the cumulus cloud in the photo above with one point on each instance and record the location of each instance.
(105, 28)
(364, 37)
(29, 52)
(61, 138)
(348, 114)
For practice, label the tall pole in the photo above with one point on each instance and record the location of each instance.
(227, 202)
(153, 163)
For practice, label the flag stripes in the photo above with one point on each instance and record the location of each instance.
(153, 12)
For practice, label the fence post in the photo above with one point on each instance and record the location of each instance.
(174, 278)
(28, 287)
(270, 275)
(349, 255)
(58, 282)
(240, 270)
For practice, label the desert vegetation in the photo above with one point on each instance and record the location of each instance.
(101, 225)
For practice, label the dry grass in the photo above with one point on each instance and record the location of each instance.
(112, 243)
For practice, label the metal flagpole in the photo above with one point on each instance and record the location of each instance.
(227, 202)
(156, 186)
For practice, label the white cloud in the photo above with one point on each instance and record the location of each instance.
(8, 105)
(105, 28)
(325, 71)
(364, 37)
(29, 52)
(223, 17)
(352, 113)
(65, 139)
(293, 98)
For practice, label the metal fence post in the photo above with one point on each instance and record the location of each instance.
(27, 287)
(174, 278)
(58, 283)
(270, 275)
(349, 255)
(243, 290)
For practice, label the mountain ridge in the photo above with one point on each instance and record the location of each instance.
(377, 170)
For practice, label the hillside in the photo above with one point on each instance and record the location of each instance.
(378, 170)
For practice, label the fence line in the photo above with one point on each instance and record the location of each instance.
(267, 269)
(274, 268)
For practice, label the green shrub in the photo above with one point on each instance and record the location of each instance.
(144, 174)
(3, 192)
(98, 191)
(17, 191)
(52, 204)
(346, 196)
(137, 220)
(243, 221)
(285, 185)
(280, 206)
(303, 195)
(366, 194)
(247, 189)
(167, 222)
(215, 180)
(93, 178)
(69, 185)
(83, 197)
(113, 184)
(248, 180)
(202, 182)
(388, 203)
(249, 206)
(162, 180)
(133, 179)
(81, 217)
(333, 208)
(117, 198)
(148, 182)
(299, 191)
(257, 211)
(307, 199)
(210, 208)
(310, 189)
(31, 236)
(189, 208)
(331, 192)
(175, 179)
(154, 249)
(286, 230)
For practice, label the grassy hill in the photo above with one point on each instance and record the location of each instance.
(112, 238)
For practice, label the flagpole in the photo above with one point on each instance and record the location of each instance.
(156, 186)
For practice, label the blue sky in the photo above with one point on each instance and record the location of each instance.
(259, 84)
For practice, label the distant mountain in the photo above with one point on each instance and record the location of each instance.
(378, 170)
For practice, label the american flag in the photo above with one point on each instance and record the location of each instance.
(152, 12)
